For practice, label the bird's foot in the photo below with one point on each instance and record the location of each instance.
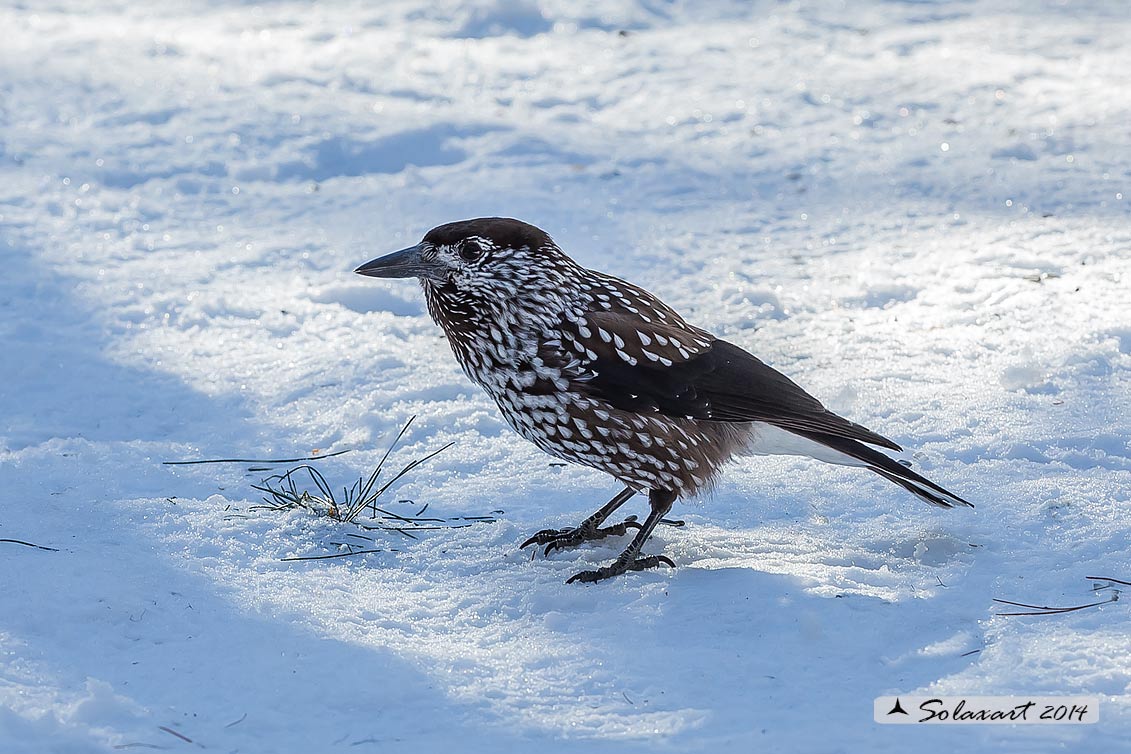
(560, 539)
(620, 566)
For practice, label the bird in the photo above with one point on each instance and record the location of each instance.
(599, 372)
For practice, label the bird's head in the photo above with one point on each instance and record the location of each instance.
(490, 259)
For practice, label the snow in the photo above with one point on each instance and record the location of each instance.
(918, 211)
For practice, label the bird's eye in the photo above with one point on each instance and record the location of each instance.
(469, 251)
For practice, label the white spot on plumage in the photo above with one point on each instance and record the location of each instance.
(604, 335)
(644, 339)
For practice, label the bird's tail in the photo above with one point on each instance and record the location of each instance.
(889, 469)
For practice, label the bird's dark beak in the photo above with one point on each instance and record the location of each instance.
(406, 263)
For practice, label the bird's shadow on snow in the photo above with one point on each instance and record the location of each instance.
(668, 654)
(465, 628)
(656, 656)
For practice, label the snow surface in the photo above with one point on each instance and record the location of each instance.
(917, 210)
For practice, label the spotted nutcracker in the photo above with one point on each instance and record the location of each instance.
(596, 371)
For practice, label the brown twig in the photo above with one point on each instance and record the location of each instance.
(329, 557)
(1046, 610)
(172, 732)
(30, 544)
(275, 461)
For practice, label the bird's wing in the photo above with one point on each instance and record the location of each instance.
(672, 368)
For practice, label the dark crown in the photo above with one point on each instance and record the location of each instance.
(504, 232)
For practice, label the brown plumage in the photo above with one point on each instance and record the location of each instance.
(597, 371)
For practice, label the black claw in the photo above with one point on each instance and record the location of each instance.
(622, 527)
(651, 562)
(560, 539)
(586, 577)
(542, 537)
(559, 544)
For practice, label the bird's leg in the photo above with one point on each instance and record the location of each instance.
(629, 560)
(587, 530)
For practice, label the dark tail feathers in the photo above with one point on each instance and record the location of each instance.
(916, 484)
